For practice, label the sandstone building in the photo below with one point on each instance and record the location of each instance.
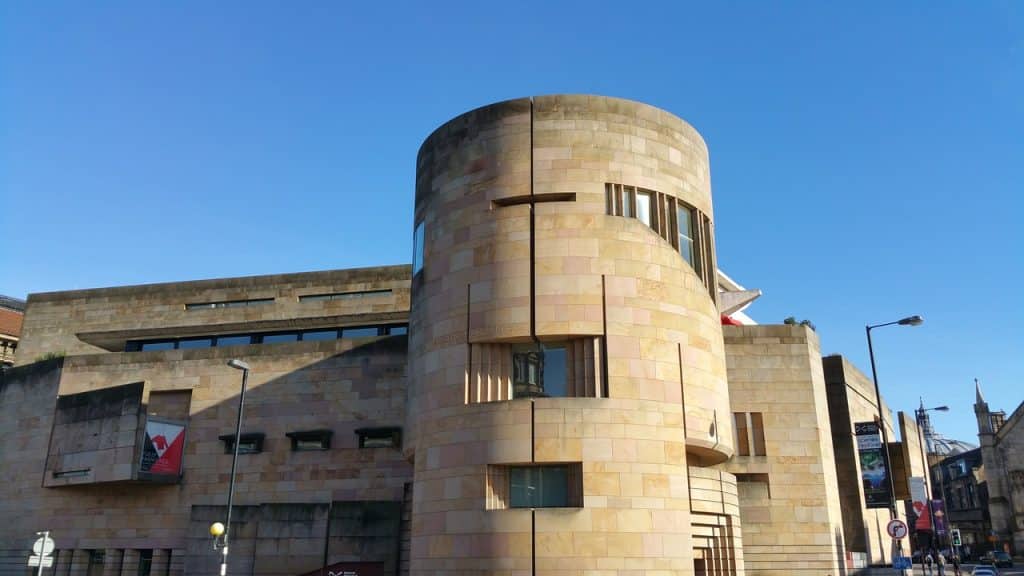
(556, 386)
(1002, 455)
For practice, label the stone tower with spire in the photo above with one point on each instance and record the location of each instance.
(998, 502)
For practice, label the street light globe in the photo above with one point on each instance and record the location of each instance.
(216, 529)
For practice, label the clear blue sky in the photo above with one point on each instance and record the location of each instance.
(867, 158)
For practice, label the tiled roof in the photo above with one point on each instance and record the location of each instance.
(10, 322)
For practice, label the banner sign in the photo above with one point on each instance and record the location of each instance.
(919, 497)
(939, 511)
(873, 474)
(163, 447)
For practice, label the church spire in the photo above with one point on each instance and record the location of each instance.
(978, 398)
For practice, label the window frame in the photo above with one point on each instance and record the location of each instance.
(321, 436)
(253, 439)
(380, 437)
(418, 240)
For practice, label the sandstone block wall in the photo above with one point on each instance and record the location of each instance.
(789, 498)
(338, 385)
(851, 399)
(93, 321)
(519, 249)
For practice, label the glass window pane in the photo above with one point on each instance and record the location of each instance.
(554, 370)
(554, 487)
(359, 332)
(417, 249)
(397, 330)
(627, 205)
(195, 343)
(275, 338)
(643, 207)
(161, 345)
(320, 335)
(521, 487)
(234, 340)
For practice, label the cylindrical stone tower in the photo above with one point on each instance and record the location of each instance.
(567, 367)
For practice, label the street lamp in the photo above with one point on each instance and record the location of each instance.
(921, 416)
(908, 321)
(218, 529)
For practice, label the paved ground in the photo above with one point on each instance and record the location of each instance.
(967, 569)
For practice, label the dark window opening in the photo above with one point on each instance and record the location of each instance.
(251, 443)
(145, 563)
(545, 486)
(229, 304)
(310, 440)
(539, 370)
(344, 295)
(382, 437)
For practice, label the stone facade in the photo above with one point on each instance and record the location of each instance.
(851, 399)
(287, 500)
(1001, 440)
(565, 400)
(520, 252)
(789, 496)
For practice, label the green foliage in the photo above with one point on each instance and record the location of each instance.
(50, 356)
(792, 321)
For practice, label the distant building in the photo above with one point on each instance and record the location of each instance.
(12, 312)
(1002, 455)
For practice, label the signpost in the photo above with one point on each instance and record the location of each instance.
(42, 549)
(896, 528)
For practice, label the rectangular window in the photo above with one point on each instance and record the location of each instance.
(344, 295)
(157, 345)
(749, 428)
(742, 434)
(319, 335)
(535, 486)
(145, 563)
(417, 249)
(398, 330)
(360, 332)
(384, 437)
(228, 304)
(310, 440)
(188, 343)
(278, 338)
(249, 444)
(757, 431)
(539, 371)
(97, 558)
(643, 207)
(234, 340)
(684, 221)
(627, 201)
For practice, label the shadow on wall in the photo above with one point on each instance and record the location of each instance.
(300, 506)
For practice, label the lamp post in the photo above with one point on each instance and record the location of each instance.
(921, 415)
(224, 530)
(908, 321)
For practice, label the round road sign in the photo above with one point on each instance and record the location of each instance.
(43, 546)
(896, 528)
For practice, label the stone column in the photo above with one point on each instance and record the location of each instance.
(79, 563)
(130, 563)
(161, 562)
(112, 562)
(62, 562)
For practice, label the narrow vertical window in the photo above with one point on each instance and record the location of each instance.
(417, 249)
(742, 435)
(643, 207)
(684, 220)
(627, 202)
(757, 431)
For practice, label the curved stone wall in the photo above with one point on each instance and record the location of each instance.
(526, 250)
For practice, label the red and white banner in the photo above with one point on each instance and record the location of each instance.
(919, 498)
(164, 445)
